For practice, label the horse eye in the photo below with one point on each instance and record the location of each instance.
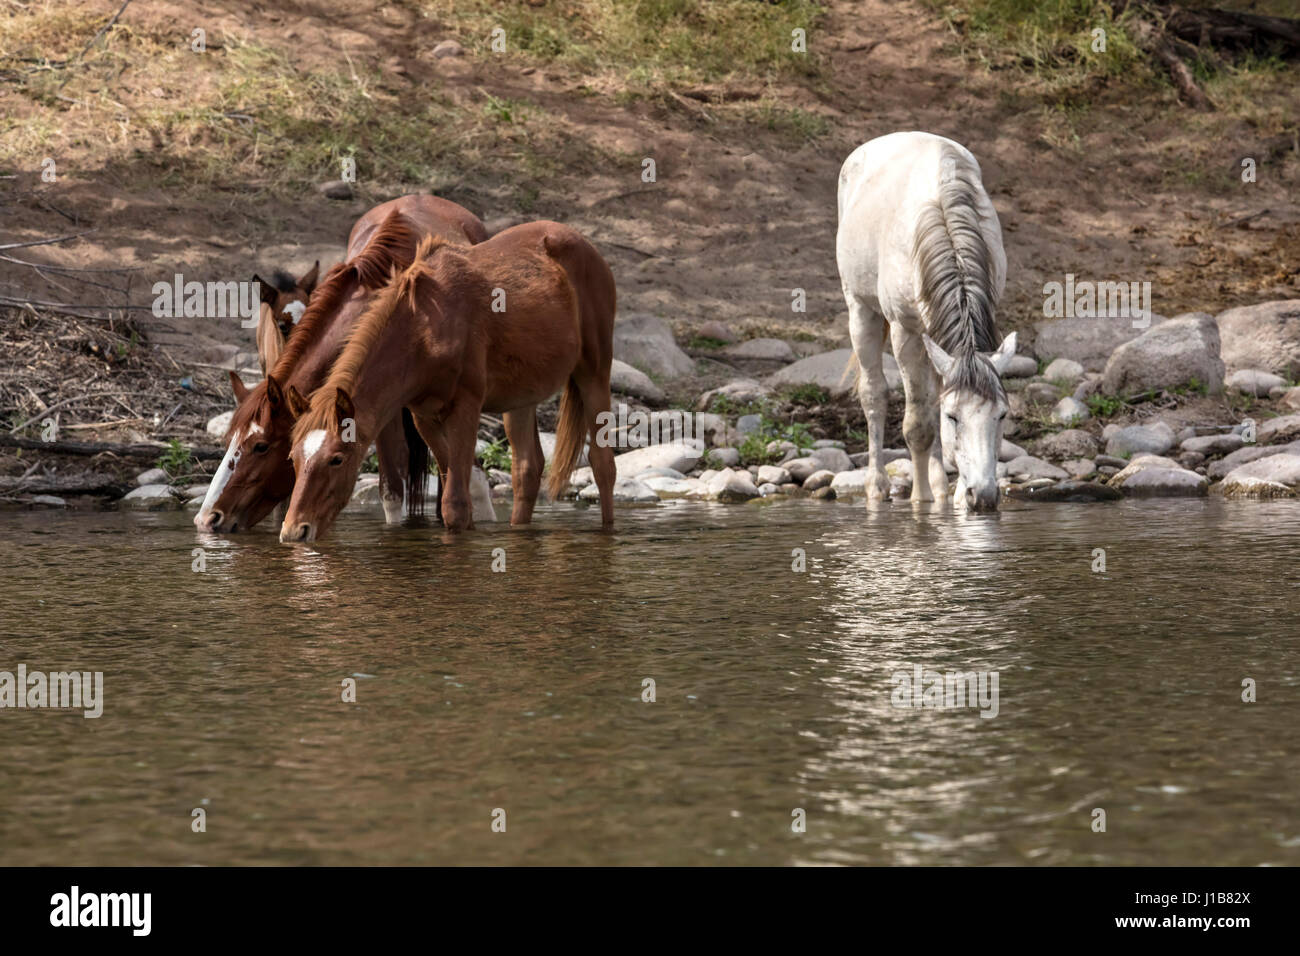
(1002, 416)
(260, 448)
(952, 418)
(336, 461)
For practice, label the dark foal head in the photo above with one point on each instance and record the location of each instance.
(284, 299)
(327, 455)
(256, 474)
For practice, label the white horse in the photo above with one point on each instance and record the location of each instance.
(920, 254)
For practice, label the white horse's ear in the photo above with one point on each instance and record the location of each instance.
(941, 359)
(1005, 353)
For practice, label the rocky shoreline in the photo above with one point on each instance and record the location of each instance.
(1100, 410)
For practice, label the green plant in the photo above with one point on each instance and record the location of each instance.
(705, 342)
(1104, 406)
(176, 459)
(496, 455)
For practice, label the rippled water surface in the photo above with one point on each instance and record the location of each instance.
(522, 690)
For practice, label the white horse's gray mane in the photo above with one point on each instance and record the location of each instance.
(957, 282)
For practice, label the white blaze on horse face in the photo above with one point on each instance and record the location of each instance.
(311, 444)
(971, 427)
(220, 479)
(295, 310)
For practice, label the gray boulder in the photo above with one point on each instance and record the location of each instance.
(768, 350)
(1180, 351)
(1087, 341)
(1069, 411)
(647, 342)
(1284, 428)
(1249, 453)
(632, 381)
(1283, 469)
(1212, 445)
(1028, 465)
(1070, 443)
(741, 391)
(1137, 439)
(1264, 336)
(151, 498)
(1162, 483)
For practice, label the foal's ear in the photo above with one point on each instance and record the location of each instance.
(942, 360)
(343, 406)
(274, 394)
(237, 384)
(297, 404)
(267, 290)
(1005, 353)
(308, 281)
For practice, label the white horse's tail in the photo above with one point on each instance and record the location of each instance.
(954, 266)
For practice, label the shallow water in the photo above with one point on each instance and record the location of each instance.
(522, 689)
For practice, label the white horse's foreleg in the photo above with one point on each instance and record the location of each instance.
(867, 332)
(921, 418)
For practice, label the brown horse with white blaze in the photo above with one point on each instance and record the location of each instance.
(497, 327)
(256, 473)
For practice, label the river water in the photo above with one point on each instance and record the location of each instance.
(518, 695)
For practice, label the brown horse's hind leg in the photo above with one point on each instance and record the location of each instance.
(594, 389)
(526, 461)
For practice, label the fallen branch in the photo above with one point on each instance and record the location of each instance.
(139, 450)
(85, 484)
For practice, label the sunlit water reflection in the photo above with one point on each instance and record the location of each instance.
(522, 690)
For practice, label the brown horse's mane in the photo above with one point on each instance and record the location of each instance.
(365, 334)
(394, 246)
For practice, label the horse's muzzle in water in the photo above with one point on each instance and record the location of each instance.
(984, 498)
(297, 533)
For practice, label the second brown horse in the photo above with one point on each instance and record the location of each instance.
(497, 327)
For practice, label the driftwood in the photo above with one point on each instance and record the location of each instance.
(1172, 34)
(138, 450)
(87, 483)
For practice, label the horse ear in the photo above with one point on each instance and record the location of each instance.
(297, 404)
(238, 385)
(268, 292)
(1005, 353)
(343, 406)
(274, 394)
(942, 360)
(308, 281)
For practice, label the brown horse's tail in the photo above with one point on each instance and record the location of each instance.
(417, 465)
(570, 436)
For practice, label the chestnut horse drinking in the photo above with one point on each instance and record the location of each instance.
(497, 327)
(256, 473)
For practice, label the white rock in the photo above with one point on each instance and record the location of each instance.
(775, 350)
(1284, 469)
(1254, 382)
(773, 474)
(154, 476)
(832, 459)
(151, 498)
(679, 456)
(1020, 366)
(666, 487)
(627, 490)
(820, 479)
(218, 425)
(1069, 411)
(1064, 371)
